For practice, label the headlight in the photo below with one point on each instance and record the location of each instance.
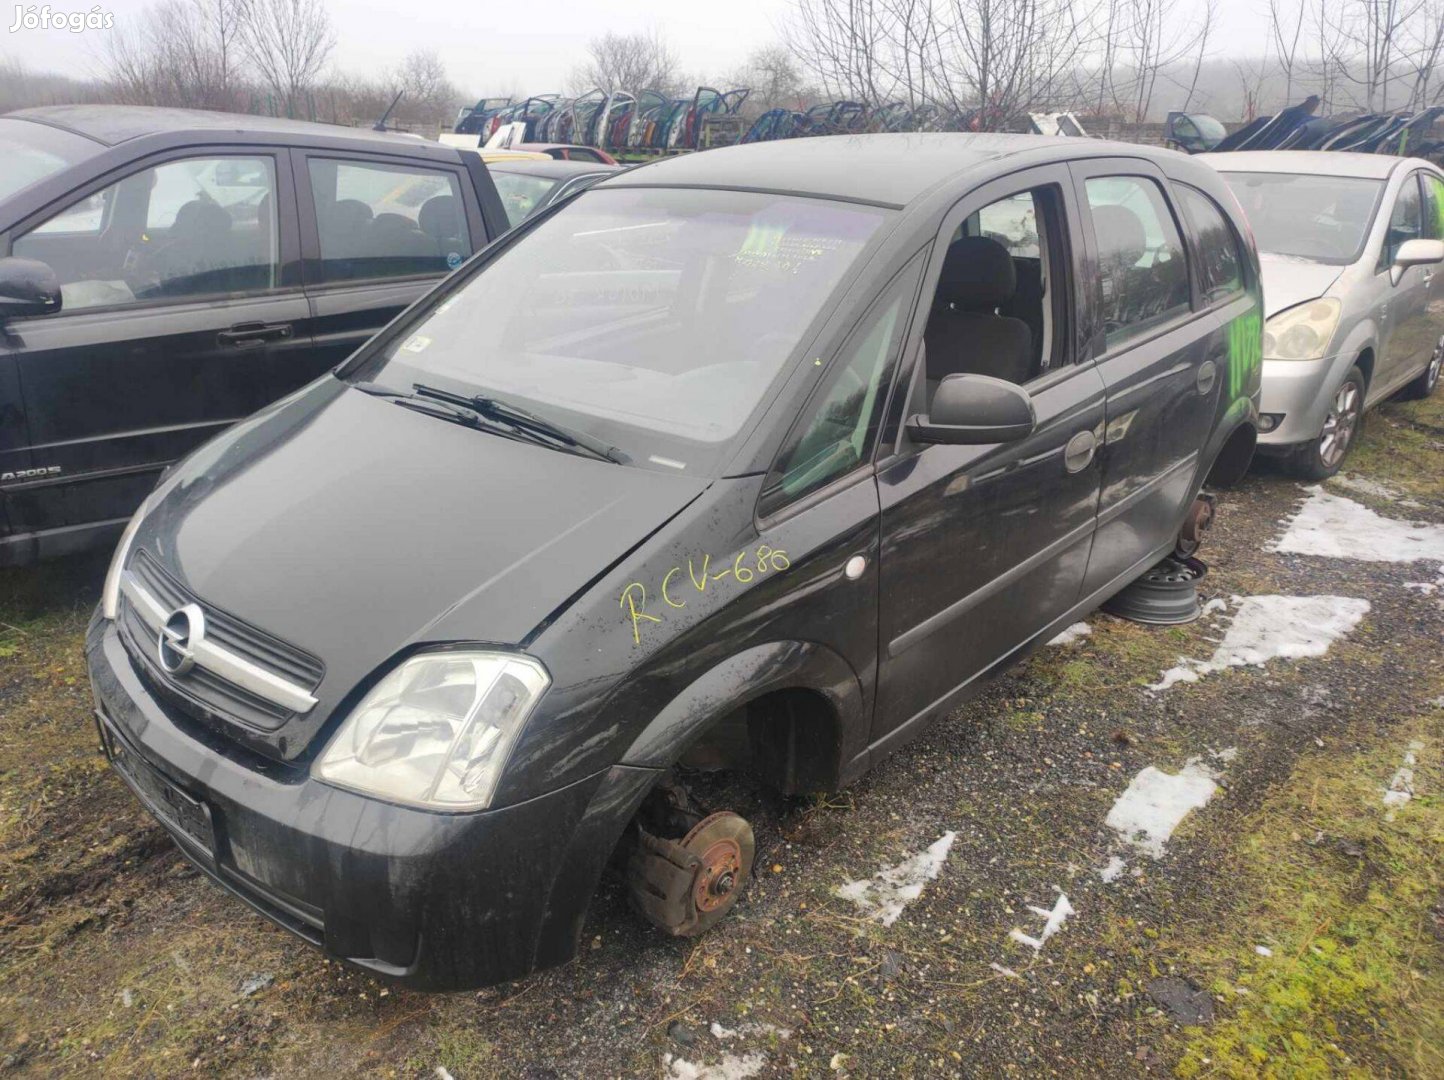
(1303, 332)
(436, 731)
(110, 595)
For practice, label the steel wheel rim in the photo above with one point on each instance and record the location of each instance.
(1436, 362)
(1340, 426)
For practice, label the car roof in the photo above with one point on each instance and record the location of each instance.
(115, 124)
(1318, 162)
(890, 169)
(553, 169)
(498, 156)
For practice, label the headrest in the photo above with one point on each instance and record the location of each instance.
(200, 217)
(978, 274)
(439, 218)
(1121, 237)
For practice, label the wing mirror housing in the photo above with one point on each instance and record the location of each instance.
(27, 287)
(975, 410)
(1416, 252)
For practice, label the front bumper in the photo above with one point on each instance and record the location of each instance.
(438, 901)
(1301, 391)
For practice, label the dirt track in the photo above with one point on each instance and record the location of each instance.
(114, 956)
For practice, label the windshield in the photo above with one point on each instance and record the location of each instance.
(1320, 218)
(31, 152)
(520, 193)
(655, 320)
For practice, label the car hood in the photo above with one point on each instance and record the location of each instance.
(353, 529)
(1288, 280)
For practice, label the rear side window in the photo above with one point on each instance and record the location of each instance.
(1219, 257)
(1141, 265)
(186, 229)
(520, 193)
(1433, 207)
(839, 424)
(385, 221)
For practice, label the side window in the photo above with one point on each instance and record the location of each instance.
(994, 311)
(840, 421)
(520, 193)
(382, 221)
(1433, 206)
(1405, 221)
(185, 229)
(1219, 256)
(1140, 258)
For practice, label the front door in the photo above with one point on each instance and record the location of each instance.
(378, 233)
(1162, 362)
(983, 547)
(1410, 331)
(180, 293)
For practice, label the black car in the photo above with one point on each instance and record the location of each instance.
(528, 187)
(170, 272)
(761, 458)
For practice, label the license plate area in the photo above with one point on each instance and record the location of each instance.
(187, 819)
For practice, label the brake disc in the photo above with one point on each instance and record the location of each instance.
(686, 886)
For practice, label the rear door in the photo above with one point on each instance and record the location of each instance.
(378, 231)
(1160, 358)
(181, 293)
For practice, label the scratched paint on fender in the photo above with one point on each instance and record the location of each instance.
(695, 576)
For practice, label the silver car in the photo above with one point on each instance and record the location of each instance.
(1350, 246)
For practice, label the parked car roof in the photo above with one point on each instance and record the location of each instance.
(886, 168)
(114, 124)
(1321, 162)
(552, 168)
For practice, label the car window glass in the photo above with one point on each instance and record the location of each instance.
(31, 152)
(190, 228)
(1434, 206)
(1140, 258)
(992, 310)
(1319, 218)
(840, 421)
(1405, 221)
(1218, 248)
(520, 194)
(380, 221)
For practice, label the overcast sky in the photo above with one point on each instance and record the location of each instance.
(523, 45)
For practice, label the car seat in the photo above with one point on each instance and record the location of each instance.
(965, 333)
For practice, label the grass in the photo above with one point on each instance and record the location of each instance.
(1400, 446)
(1348, 903)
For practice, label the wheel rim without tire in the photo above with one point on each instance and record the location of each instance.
(1339, 428)
(1435, 364)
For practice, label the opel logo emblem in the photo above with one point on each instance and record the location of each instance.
(182, 632)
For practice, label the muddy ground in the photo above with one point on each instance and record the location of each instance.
(1293, 925)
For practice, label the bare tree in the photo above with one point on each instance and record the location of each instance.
(181, 53)
(775, 78)
(1286, 31)
(289, 42)
(630, 62)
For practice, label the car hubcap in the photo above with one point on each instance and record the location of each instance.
(1340, 426)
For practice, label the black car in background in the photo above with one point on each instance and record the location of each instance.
(528, 187)
(165, 272)
(759, 458)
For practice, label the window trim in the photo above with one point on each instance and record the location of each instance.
(1195, 249)
(288, 253)
(311, 261)
(1416, 178)
(1107, 168)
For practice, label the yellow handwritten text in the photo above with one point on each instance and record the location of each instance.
(745, 568)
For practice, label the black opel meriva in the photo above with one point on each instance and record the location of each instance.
(761, 457)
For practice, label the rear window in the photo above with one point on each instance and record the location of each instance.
(1319, 218)
(520, 193)
(32, 152)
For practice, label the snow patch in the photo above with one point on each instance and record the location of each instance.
(1401, 786)
(1054, 922)
(731, 1067)
(1076, 632)
(883, 896)
(721, 1033)
(1110, 873)
(1334, 527)
(1364, 486)
(1155, 802)
(1006, 972)
(1271, 627)
(1263, 950)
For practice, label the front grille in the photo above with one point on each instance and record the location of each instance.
(203, 693)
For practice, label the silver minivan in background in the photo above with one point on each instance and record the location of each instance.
(1350, 246)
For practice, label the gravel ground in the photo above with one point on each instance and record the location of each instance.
(115, 956)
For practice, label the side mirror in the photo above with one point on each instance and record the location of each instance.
(975, 410)
(27, 287)
(1416, 253)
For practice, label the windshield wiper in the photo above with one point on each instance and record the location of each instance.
(526, 423)
(486, 414)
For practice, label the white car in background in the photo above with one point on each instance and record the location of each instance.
(1350, 246)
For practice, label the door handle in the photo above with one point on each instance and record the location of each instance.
(1079, 452)
(245, 335)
